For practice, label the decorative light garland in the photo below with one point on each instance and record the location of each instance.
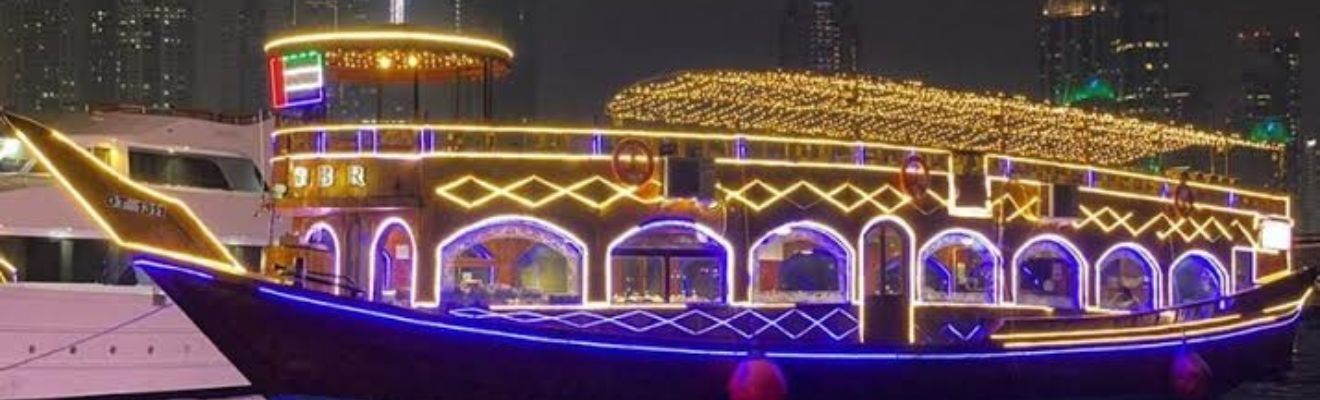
(852, 107)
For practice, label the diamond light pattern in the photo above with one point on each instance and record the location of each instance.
(838, 323)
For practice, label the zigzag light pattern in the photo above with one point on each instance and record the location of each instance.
(572, 191)
(1164, 226)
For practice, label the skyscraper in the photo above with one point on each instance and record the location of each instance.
(46, 56)
(69, 53)
(1270, 107)
(232, 32)
(1075, 38)
(1141, 56)
(819, 35)
(155, 51)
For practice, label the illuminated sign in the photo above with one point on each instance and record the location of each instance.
(297, 79)
(357, 175)
(1275, 234)
(326, 173)
(301, 177)
(354, 175)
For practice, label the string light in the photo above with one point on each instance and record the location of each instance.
(874, 109)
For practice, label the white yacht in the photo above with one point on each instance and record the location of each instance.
(103, 328)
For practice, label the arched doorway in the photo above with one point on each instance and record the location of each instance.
(886, 255)
(393, 264)
(669, 261)
(510, 261)
(1196, 276)
(801, 262)
(1127, 279)
(959, 266)
(323, 237)
(1048, 270)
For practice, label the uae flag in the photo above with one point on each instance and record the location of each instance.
(297, 79)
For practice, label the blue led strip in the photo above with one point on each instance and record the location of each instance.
(168, 267)
(588, 319)
(738, 353)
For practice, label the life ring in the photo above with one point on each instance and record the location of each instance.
(624, 163)
(915, 185)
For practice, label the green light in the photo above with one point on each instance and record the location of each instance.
(1095, 89)
(1271, 130)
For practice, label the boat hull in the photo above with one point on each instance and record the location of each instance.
(293, 341)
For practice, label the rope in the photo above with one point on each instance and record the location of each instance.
(91, 337)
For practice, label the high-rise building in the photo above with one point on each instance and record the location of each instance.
(1141, 56)
(45, 52)
(69, 53)
(1270, 109)
(819, 35)
(1270, 106)
(516, 94)
(155, 51)
(1107, 55)
(1075, 49)
(232, 59)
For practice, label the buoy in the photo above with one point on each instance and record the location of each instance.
(1189, 375)
(757, 379)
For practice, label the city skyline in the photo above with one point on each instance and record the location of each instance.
(999, 39)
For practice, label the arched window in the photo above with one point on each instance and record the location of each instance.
(669, 262)
(512, 261)
(959, 266)
(393, 263)
(1127, 279)
(801, 262)
(886, 252)
(1049, 271)
(321, 236)
(1196, 276)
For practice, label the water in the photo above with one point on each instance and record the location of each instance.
(1303, 382)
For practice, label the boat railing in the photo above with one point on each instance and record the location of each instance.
(415, 140)
(1255, 301)
(326, 282)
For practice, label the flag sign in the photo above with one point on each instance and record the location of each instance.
(297, 79)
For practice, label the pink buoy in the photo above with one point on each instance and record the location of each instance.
(1190, 375)
(757, 379)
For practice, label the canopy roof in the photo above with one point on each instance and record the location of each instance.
(865, 108)
(397, 53)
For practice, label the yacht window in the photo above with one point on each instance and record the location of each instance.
(199, 171)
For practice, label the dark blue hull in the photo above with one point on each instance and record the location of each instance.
(289, 340)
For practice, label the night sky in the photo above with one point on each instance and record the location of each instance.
(592, 48)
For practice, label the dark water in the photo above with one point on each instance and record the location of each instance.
(1303, 382)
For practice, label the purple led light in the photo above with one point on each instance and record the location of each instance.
(169, 267)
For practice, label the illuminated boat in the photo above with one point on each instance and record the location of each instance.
(827, 236)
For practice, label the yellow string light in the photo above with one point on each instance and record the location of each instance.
(873, 109)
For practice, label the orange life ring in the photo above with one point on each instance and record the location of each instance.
(916, 185)
(624, 163)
